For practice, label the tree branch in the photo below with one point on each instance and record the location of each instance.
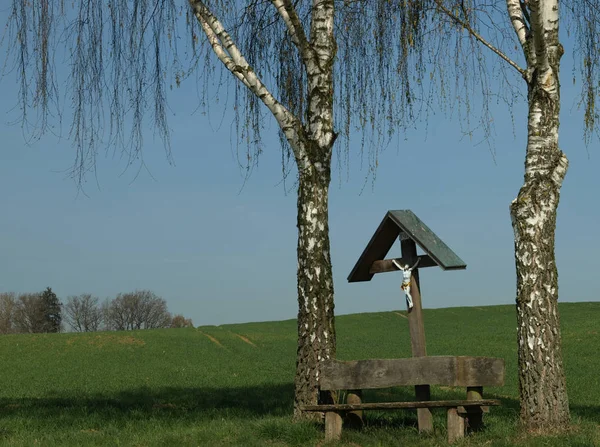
(477, 36)
(515, 13)
(538, 31)
(288, 13)
(229, 54)
(220, 51)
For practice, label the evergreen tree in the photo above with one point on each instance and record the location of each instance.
(52, 311)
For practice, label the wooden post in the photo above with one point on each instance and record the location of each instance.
(333, 426)
(474, 414)
(354, 418)
(456, 425)
(417, 332)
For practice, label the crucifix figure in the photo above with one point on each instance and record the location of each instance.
(406, 276)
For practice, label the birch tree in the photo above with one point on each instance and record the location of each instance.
(533, 27)
(304, 62)
(311, 143)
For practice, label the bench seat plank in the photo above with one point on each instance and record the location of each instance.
(400, 405)
(461, 371)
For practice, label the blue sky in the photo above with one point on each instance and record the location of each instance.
(219, 253)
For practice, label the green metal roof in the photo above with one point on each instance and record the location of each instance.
(394, 223)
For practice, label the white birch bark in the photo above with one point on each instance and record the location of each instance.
(542, 386)
(229, 54)
(515, 14)
(543, 394)
(316, 329)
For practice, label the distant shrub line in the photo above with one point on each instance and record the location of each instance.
(44, 313)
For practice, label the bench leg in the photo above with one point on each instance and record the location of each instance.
(456, 425)
(474, 414)
(354, 418)
(333, 426)
(422, 393)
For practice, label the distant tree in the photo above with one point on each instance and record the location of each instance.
(8, 303)
(155, 313)
(117, 314)
(141, 309)
(179, 321)
(52, 309)
(107, 323)
(83, 313)
(29, 315)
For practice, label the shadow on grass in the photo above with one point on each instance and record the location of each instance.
(508, 410)
(377, 419)
(163, 403)
(587, 412)
(511, 408)
(174, 403)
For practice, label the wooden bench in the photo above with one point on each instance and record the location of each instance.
(471, 372)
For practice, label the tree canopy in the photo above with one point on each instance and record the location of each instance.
(113, 62)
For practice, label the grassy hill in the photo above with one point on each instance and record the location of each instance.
(231, 385)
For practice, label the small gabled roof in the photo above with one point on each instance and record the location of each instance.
(404, 221)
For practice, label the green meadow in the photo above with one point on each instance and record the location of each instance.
(232, 385)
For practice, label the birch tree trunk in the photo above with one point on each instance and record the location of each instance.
(542, 385)
(316, 326)
(311, 138)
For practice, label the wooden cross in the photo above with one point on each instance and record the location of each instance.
(417, 329)
(412, 230)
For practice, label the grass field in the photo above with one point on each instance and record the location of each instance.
(232, 385)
